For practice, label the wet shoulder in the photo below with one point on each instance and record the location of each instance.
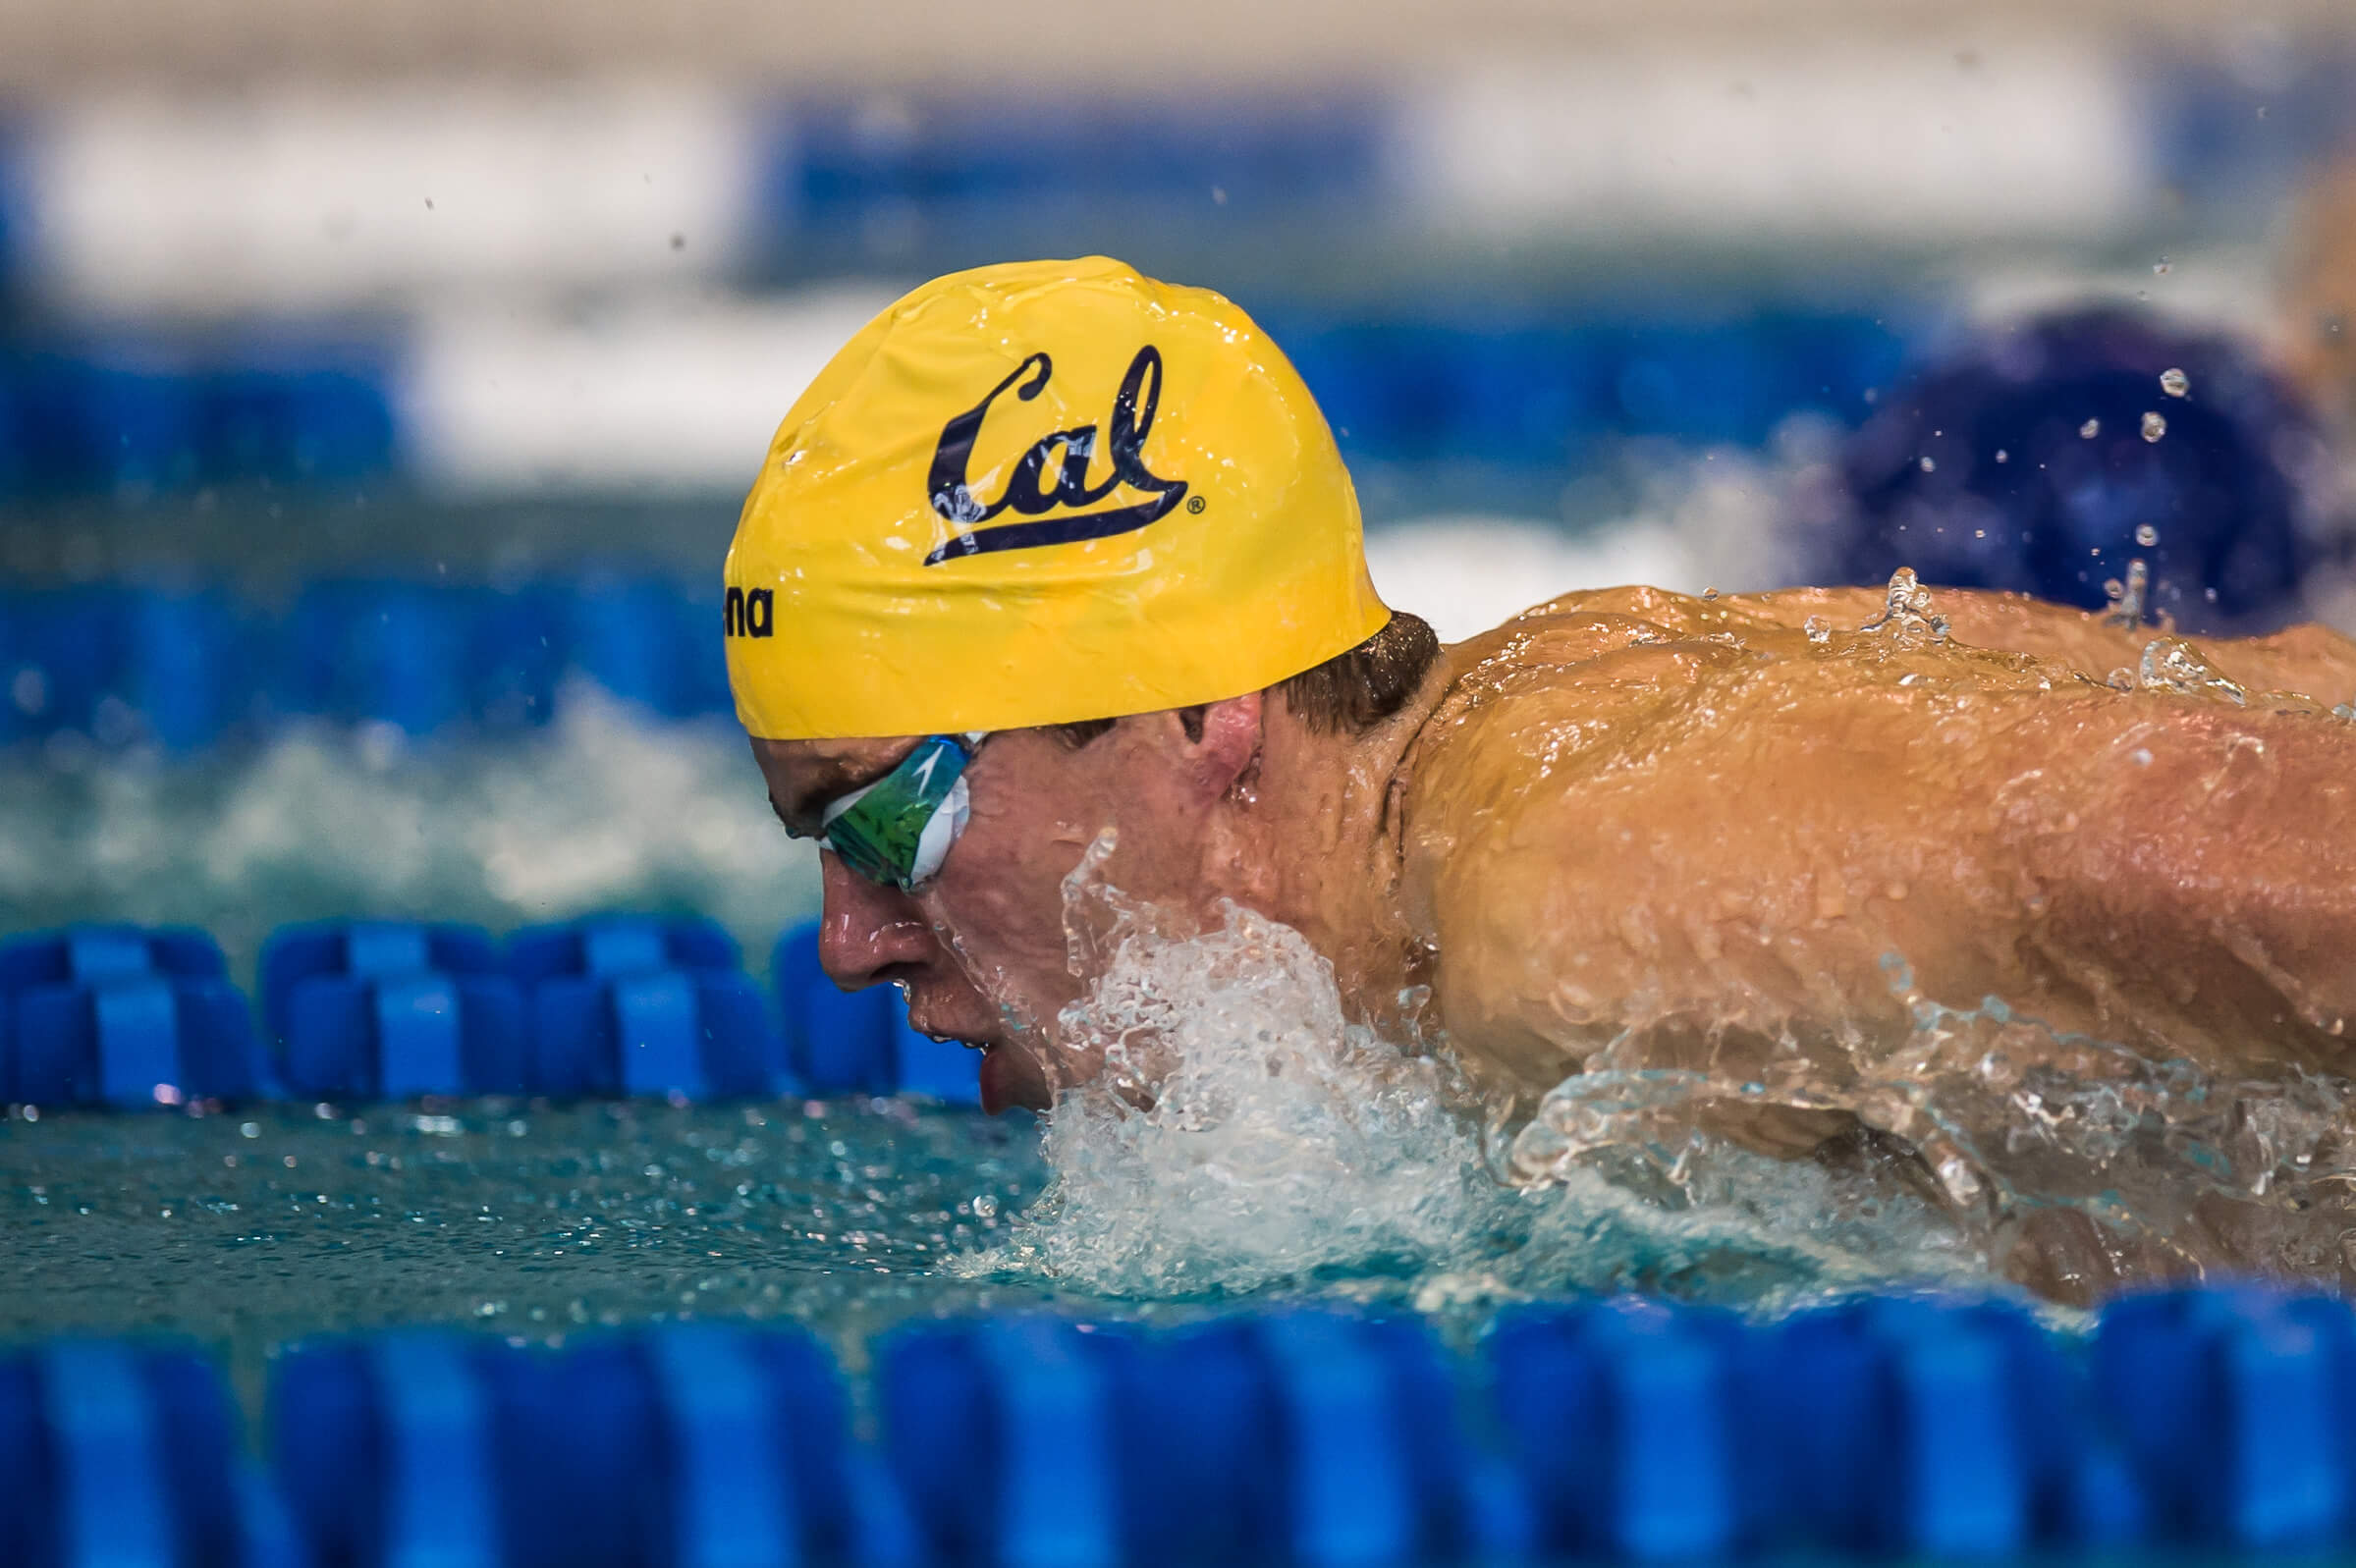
(1588, 686)
(1556, 687)
(1619, 655)
(1589, 680)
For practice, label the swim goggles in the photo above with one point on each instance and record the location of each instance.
(897, 829)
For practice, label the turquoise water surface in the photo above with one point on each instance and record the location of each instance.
(246, 1230)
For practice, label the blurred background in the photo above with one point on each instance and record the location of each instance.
(378, 383)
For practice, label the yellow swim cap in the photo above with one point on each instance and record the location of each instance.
(1038, 493)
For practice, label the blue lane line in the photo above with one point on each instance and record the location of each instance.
(136, 420)
(1028, 1441)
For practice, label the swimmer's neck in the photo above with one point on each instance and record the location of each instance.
(1328, 813)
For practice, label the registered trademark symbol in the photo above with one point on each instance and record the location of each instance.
(1196, 503)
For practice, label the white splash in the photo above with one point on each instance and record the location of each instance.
(604, 808)
(1275, 1144)
(1279, 1143)
(1248, 1136)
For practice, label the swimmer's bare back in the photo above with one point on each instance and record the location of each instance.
(1713, 824)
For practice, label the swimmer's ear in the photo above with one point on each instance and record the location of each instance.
(1224, 743)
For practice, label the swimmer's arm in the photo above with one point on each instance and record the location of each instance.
(2204, 851)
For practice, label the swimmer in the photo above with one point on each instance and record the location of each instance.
(1053, 556)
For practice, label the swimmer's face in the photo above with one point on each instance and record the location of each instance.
(981, 948)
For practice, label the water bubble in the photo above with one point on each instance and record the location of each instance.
(2174, 382)
(2002, 455)
(2091, 429)
(1819, 629)
(2153, 426)
(1928, 464)
(2146, 535)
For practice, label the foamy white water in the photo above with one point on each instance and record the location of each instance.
(604, 808)
(1286, 1148)
(1280, 1145)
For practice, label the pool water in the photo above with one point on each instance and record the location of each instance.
(246, 1230)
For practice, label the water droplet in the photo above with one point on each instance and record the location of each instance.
(2175, 382)
(1709, 593)
(2091, 429)
(2002, 455)
(2153, 426)
(2146, 535)
(2162, 268)
(1928, 465)
(1819, 629)
(2127, 598)
(1905, 615)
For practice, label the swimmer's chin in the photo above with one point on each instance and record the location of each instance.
(1010, 1076)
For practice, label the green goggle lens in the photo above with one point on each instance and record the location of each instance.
(897, 829)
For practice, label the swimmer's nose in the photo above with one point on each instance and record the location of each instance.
(868, 934)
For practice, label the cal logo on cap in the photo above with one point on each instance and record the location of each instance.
(1059, 511)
